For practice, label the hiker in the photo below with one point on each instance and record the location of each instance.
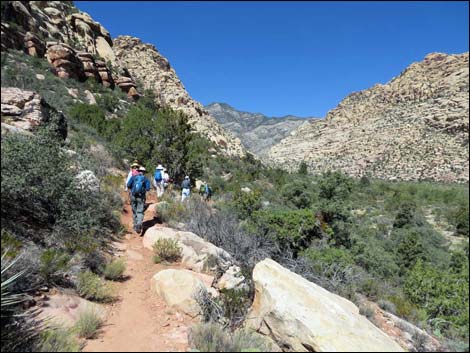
(158, 180)
(138, 186)
(166, 178)
(132, 172)
(185, 188)
(205, 191)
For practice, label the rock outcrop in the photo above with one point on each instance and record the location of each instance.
(257, 132)
(65, 61)
(148, 66)
(415, 127)
(197, 254)
(26, 110)
(34, 46)
(178, 288)
(301, 316)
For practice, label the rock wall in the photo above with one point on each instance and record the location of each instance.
(413, 128)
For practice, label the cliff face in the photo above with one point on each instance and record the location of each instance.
(79, 47)
(154, 72)
(257, 132)
(415, 127)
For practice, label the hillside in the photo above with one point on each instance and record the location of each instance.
(414, 127)
(257, 132)
(81, 48)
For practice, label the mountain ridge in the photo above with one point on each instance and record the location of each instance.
(256, 131)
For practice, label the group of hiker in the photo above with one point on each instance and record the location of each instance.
(138, 185)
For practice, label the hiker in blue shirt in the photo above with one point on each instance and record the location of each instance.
(138, 185)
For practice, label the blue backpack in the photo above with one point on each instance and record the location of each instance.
(138, 186)
(158, 175)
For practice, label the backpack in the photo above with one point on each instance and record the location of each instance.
(208, 190)
(138, 186)
(158, 176)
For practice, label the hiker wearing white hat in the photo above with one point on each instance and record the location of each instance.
(139, 185)
(158, 180)
(185, 188)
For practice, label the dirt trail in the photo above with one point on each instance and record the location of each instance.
(140, 321)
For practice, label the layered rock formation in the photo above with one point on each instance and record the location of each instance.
(23, 111)
(303, 317)
(149, 67)
(415, 127)
(257, 132)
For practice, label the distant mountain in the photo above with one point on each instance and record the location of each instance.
(257, 132)
(414, 127)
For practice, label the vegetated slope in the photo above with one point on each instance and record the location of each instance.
(148, 66)
(415, 127)
(79, 47)
(257, 132)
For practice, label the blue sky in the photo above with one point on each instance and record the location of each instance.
(280, 58)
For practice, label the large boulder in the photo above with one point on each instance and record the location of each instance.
(178, 288)
(197, 254)
(302, 316)
(26, 110)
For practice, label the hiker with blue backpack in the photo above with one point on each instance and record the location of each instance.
(158, 180)
(138, 186)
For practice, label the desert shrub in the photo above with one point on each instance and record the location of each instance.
(294, 229)
(88, 323)
(54, 264)
(387, 306)
(57, 339)
(171, 211)
(303, 168)
(91, 286)
(114, 269)
(211, 337)
(41, 201)
(406, 213)
(166, 250)
(443, 294)
(245, 203)
(297, 193)
(461, 220)
(335, 185)
(223, 229)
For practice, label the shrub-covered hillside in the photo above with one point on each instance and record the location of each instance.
(402, 245)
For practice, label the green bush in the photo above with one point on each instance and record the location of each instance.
(54, 264)
(443, 294)
(211, 337)
(91, 286)
(294, 229)
(245, 203)
(297, 194)
(88, 323)
(114, 270)
(41, 201)
(58, 340)
(166, 250)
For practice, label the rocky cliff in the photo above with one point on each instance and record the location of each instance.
(80, 48)
(257, 132)
(414, 127)
(154, 72)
